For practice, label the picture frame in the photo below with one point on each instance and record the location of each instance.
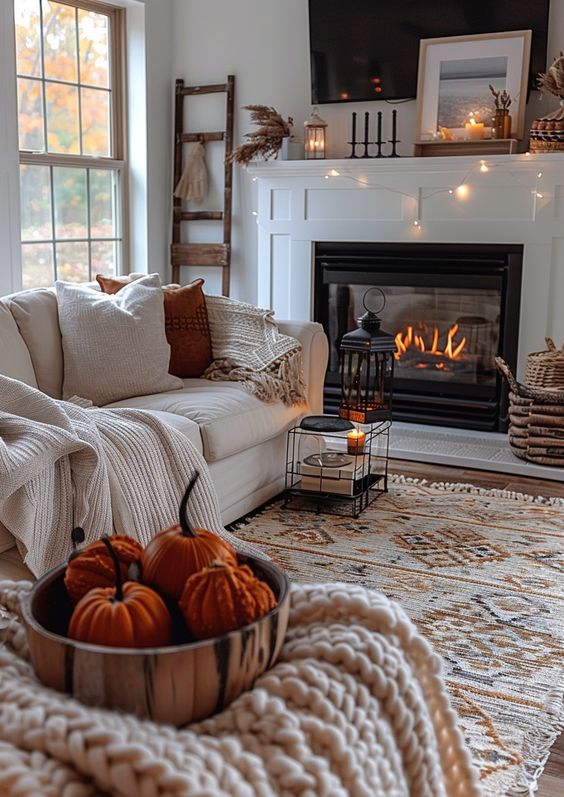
(453, 82)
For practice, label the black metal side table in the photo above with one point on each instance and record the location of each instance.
(323, 472)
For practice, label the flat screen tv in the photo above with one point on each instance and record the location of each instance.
(369, 49)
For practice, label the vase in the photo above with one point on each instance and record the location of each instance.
(501, 124)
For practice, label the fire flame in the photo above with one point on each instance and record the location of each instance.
(412, 340)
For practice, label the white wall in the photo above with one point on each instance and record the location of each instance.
(265, 44)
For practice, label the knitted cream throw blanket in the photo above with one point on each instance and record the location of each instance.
(355, 707)
(117, 469)
(248, 348)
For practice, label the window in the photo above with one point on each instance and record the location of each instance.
(70, 138)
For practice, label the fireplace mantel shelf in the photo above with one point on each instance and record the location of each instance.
(274, 169)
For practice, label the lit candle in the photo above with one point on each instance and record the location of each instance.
(355, 441)
(474, 129)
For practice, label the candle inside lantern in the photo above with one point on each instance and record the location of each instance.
(474, 129)
(356, 439)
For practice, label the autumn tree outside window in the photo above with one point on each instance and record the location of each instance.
(70, 109)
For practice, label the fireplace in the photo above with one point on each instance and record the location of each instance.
(451, 308)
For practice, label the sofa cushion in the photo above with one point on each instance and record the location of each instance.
(15, 361)
(37, 318)
(230, 419)
(114, 346)
(186, 324)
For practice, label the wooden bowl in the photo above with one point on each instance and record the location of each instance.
(176, 684)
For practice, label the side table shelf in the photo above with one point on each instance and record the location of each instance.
(321, 475)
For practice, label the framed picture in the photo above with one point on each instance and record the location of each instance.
(454, 99)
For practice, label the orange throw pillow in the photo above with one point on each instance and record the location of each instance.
(111, 285)
(186, 325)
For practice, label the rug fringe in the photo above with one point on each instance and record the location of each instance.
(463, 487)
(538, 743)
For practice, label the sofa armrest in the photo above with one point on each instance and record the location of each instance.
(315, 353)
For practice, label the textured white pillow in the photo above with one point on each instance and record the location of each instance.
(114, 346)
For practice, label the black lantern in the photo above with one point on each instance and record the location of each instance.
(367, 369)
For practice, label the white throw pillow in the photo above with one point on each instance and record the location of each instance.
(114, 346)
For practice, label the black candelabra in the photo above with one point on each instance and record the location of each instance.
(394, 140)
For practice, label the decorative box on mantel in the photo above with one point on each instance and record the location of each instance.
(506, 199)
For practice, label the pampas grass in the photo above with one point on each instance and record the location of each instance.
(267, 140)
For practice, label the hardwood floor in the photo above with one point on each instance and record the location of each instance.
(551, 783)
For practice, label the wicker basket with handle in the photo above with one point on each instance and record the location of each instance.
(545, 369)
(536, 421)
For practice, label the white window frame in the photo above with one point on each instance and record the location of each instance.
(117, 162)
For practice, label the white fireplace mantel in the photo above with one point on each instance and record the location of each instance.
(301, 202)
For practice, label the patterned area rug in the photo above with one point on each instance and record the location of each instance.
(481, 573)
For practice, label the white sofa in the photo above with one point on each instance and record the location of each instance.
(242, 439)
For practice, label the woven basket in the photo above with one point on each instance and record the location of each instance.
(545, 369)
(536, 421)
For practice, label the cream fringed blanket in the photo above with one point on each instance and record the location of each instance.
(355, 707)
(118, 469)
(248, 348)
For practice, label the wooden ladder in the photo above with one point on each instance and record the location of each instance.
(199, 254)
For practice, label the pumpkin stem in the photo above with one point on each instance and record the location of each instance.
(185, 525)
(117, 567)
(77, 536)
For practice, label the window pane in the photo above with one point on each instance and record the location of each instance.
(72, 262)
(59, 41)
(71, 215)
(95, 122)
(28, 30)
(37, 265)
(93, 42)
(102, 211)
(62, 118)
(30, 111)
(104, 258)
(35, 203)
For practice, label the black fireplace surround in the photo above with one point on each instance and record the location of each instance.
(451, 308)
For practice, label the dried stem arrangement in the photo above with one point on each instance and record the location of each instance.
(502, 99)
(267, 140)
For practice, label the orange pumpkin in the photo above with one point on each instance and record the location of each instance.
(178, 552)
(222, 598)
(126, 615)
(93, 567)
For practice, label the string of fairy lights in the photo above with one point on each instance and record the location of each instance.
(459, 191)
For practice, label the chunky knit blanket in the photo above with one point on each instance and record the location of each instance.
(355, 707)
(117, 469)
(247, 348)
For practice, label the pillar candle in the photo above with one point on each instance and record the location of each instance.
(474, 130)
(356, 439)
